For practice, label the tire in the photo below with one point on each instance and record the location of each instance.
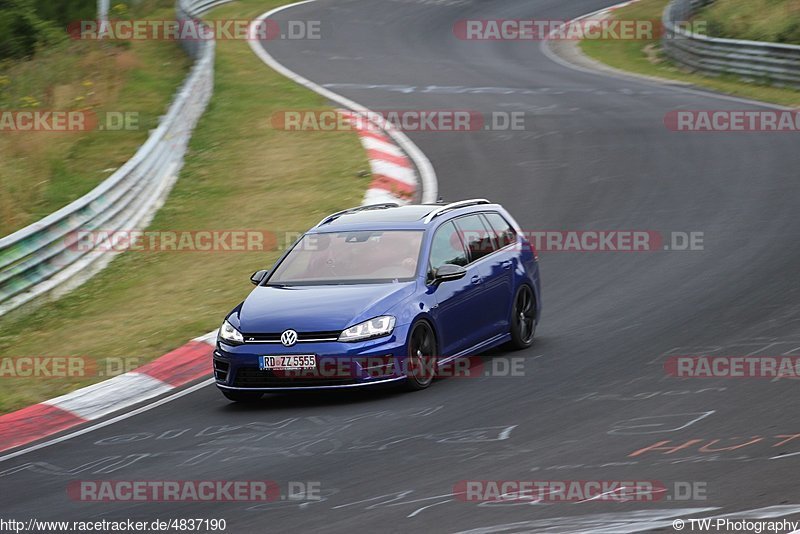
(421, 361)
(242, 396)
(523, 318)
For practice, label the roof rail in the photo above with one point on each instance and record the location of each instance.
(454, 205)
(338, 214)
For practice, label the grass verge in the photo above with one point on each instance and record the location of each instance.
(645, 57)
(240, 173)
(44, 171)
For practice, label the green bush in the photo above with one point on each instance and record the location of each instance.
(22, 30)
(17, 32)
(64, 12)
(26, 25)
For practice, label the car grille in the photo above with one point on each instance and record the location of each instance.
(252, 377)
(302, 337)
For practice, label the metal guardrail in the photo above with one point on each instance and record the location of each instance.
(773, 63)
(39, 260)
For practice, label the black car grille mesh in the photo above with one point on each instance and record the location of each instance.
(329, 335)
(253, 377)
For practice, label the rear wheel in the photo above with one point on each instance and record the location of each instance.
(242, 396)
(421, 361)
(523, 318)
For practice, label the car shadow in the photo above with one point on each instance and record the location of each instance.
(315, 399)
(290, 400)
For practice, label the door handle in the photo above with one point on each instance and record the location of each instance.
(506, 264)
(476, 279)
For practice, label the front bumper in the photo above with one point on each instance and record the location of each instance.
(339, 365)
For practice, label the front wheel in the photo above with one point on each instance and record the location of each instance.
(242, 396)
(421, 361)
(523, 318)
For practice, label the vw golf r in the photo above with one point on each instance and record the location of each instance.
(386, 293)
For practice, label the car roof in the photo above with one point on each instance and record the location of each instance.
(395, 217)
(408, 213)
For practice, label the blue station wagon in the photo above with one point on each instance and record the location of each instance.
(379, 294)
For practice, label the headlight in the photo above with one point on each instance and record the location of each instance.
(379, 326)
(228, 333)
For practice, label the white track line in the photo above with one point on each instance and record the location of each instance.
(109, 396)
(108, 422)
(430, 187)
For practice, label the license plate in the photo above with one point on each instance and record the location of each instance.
(289, 361)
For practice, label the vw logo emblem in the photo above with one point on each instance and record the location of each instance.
(288, 338)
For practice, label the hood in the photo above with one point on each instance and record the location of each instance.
(273, 309)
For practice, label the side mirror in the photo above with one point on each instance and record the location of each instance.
(259, 276)
(449, 271)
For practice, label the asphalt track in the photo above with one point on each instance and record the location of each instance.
(595, 155)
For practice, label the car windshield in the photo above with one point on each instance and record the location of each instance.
(359, 257)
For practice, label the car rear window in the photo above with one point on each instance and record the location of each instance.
(476, 235)
(504, 233)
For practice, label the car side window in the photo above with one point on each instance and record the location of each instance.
(503, 231)
(477, 237)
(446, 247)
